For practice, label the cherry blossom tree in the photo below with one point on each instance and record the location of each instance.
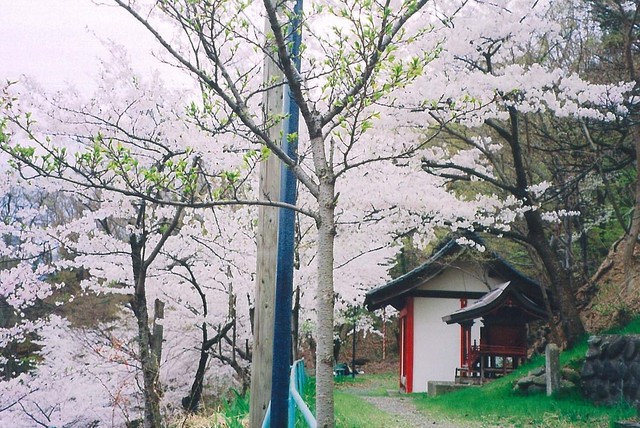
(485, 126)
(122, 156)
(350, 62)
(100, 240)
(370, 73)
(26, 255)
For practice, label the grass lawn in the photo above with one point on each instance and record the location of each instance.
(369, 384)
(351, 409)
(496, 405)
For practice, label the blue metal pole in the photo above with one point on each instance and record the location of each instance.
(286, 233)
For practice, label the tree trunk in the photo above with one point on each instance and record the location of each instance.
(150, 373)
(558, 277)
(148, 360)
(295, 322)
(571, 322)
(192, 401)
(632, 239)
(325, 302)
(158, 329)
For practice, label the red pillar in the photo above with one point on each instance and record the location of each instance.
(406, 345)
(465, 337)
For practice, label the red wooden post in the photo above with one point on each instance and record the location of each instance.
(464, 350)
(406, 345)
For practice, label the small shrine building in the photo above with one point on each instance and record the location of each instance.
(463, 316)
(505, 313)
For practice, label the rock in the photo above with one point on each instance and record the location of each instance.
(594, 341)
(536, 389)
(603, 350)
(540, 380)
(601, 392)
(587, 371)
(525, 382)
(591, 369)
(570, 374)
(626, 424)
(616, 346)
(592, 353)
(630, 350)
(634, 370)
(615, 393)
(535, 382)
(613, 370)
(530, 380)
(630, 390)
(537, 372)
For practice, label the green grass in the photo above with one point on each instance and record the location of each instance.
(632, 328)
(353, 411)
(235, 410)
(494, 404)
(498, 403)
(369, 384)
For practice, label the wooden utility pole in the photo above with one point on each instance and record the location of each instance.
(262, 356)
(281, 412)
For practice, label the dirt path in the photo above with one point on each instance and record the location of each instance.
(402, 408)
(406, 414)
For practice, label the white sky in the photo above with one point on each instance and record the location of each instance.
(58, 41)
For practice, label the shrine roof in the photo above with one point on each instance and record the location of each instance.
(504, 294)
(394, 292)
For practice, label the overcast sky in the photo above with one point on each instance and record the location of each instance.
(58, 41)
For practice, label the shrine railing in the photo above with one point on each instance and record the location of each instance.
(482, 361)
(499, 350)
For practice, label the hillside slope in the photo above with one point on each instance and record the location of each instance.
(604, 300)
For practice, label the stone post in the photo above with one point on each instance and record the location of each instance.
(552, 372)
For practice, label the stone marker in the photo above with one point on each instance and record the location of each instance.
(552, 372)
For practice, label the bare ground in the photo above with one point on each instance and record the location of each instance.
(403, 409)
(406, 414)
